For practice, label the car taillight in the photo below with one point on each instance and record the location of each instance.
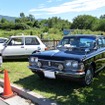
(46, 48)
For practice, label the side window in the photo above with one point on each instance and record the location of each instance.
(103, 42)
(65, 41)
(100, 44)
(31, 41)
(16, 41)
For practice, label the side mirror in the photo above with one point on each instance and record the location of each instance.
(5, 45)
(95, 46)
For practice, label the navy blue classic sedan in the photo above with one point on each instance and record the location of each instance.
(77, 57)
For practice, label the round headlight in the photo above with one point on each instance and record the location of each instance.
(68, 63)
(36, 59)
(60, 67)
(75, 64)
(32, 59)
(39, 64)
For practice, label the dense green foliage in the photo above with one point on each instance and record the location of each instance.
(52, 28)
(84, 22)
(27, 22)
(79, 22)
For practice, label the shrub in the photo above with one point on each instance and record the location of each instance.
(22, 26)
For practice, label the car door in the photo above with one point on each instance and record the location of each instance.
(31, 44)
(15, 47)
(100, 55)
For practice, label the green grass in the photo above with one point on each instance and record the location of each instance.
(64, 92)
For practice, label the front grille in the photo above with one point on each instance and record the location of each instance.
(50, 64)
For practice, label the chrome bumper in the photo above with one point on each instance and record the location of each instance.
(58, 73)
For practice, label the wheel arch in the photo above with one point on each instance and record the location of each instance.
(93, 66)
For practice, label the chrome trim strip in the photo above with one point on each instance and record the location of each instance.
(52, 61)
(93, 55)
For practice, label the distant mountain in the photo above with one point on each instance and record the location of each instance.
(8, 18)
(40, 19)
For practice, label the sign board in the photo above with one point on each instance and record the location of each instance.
(66, 32)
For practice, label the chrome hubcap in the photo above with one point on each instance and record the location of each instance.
(88, 77)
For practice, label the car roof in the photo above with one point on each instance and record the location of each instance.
(3, 38)
(83, 35)
(23, 36)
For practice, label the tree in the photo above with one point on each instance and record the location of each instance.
(36, 24)
(102, 16)
(22, 15)
(31, 18)
(101, 25)
(22, 26)
(83, 22)
(58, 23)
(3, 20)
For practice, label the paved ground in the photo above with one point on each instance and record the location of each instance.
(15, 100)
(30, 98)
(2, 102)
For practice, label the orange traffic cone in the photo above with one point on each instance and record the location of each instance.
(7, 88)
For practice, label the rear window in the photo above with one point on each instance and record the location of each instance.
(31, 41)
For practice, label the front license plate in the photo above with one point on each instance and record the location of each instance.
(49, 74)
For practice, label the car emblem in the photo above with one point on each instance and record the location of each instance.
(49, 63)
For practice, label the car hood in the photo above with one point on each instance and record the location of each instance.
(58, 55)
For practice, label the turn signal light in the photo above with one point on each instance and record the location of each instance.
(46, 48)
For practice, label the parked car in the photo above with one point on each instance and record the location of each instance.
(21, 46)
(3, 40)
(77, 57)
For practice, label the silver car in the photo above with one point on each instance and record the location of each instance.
(21, 47)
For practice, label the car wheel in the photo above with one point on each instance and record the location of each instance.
(88, 76)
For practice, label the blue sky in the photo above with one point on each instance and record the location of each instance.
(65, 9)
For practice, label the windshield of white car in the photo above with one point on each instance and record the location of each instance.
(78, 42)
(3, 40)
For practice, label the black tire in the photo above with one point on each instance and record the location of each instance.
(88, 77)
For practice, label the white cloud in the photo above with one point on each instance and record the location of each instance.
(58, 0)
(41, 5)
(49, 1)
(37, 14)
(73, 6)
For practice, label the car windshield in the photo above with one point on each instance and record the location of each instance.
(3, 40)
(78, 41)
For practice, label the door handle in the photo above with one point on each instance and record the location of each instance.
(22, 46)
